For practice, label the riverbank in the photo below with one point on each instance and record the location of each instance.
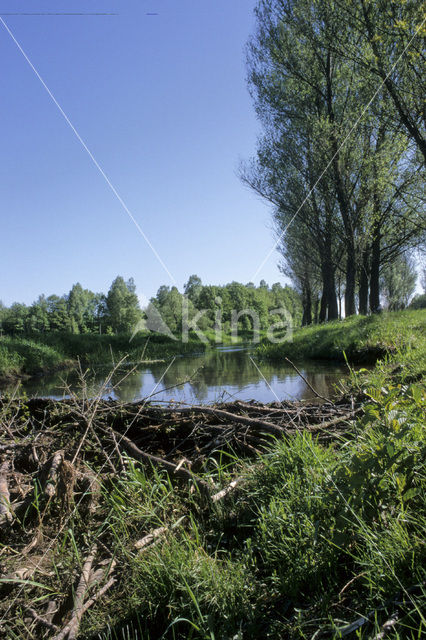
(287, 520)
(47, 353)
(360, 339)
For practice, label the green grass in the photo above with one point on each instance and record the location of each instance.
(47, 352)
(362, 339)
(21, 356)
(315, 537)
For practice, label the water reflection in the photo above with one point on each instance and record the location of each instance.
(221, 374)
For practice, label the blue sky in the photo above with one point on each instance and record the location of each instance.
(161, 102)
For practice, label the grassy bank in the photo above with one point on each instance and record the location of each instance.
(361, 338)
(48, 352)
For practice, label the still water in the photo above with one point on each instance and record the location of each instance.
(223, 374)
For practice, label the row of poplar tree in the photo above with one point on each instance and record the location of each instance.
(339, 86)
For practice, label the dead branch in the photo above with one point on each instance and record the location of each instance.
(318, 395)
(52, 475)
(269, 427)
(40, 620)
(5, 511)
(227, 490)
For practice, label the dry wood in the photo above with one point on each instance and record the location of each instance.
(154, 536)
(387, 626)
(71, 630)
(227, 490)
(66, 631)
(52, 475)
(5, 511)
(40, 620)
(269, 427)
(51, 609)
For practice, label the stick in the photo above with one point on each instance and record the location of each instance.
(387, 626)
(306, 382)
(52, 475)
(71, 629)
(66, 631)
(224, 492)
(40, 620)
(4, 493)
(153, 537)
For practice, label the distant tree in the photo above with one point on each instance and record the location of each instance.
(399, 281)
(79, 300)
(193, 287)
(57, 310)
(122, 305)
(15, 318)
(418, 302)
(38, 316)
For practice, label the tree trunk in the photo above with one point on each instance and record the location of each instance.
(350, 309)
(307, 303)
(363, 283)
(323, 305)
(333, 312)
(375, 271)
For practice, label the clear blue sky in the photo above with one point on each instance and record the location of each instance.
(161, 101)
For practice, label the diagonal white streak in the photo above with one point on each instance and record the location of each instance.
(281, 236)
(89, 153)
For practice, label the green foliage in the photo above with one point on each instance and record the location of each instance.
(18, 355)
(361, 339)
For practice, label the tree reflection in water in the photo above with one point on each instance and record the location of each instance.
(218, 375)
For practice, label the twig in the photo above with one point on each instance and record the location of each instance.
(40, 620)
(307, 383)
(153, 537)
(66, 631)
(71, 629)
(269, 427)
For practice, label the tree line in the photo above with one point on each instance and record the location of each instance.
(79, 311)
(339, 88)
(83, 311)
(243, 305)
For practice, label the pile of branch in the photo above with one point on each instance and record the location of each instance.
(49, 450)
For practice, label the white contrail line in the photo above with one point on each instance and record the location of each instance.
(265, 260)
(90, 154)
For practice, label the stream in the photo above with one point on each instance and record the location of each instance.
(220, 375)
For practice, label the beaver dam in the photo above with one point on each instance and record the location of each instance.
(107, 507)
(59, 459)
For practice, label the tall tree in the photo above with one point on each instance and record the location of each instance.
(122, 305)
